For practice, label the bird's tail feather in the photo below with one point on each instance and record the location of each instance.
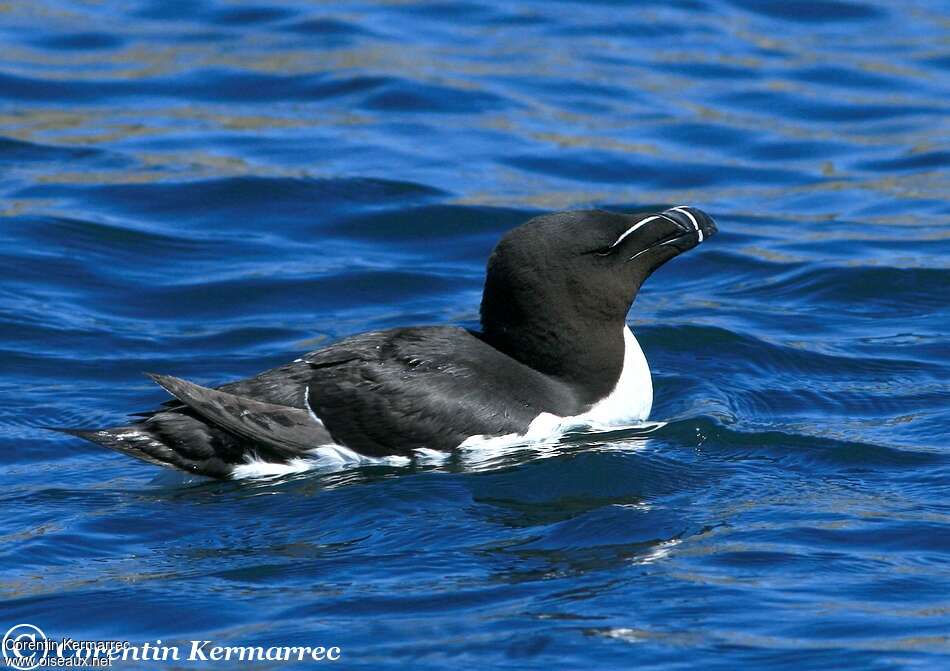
(130, 439)
(211, 432)
(171, 439)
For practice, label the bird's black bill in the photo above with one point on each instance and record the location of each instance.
(692, 226)
(692, 221)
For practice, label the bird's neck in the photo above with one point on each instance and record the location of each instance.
(587, 357)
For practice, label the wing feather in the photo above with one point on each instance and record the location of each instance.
(286, 430)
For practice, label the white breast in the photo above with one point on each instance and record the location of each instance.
(632, 398)
(629, 404)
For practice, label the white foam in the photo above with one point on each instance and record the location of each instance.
(425, 456)
(659, 551)
(501, 451)
(325, 459)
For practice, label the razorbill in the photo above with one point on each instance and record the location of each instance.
(554, 352)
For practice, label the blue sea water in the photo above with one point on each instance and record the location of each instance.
(208, 189)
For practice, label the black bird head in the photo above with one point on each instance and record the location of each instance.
(590, 262)
(560, 281)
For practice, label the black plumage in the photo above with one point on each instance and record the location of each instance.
(557, 292)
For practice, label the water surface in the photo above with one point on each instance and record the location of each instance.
(208, 189)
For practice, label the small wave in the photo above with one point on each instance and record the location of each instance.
(650, 172)
(795, 448)
(17, 151)
(238, 202)
(822, 11)
(82, 41)
(862, 290)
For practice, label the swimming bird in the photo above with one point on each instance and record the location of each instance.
(554, 352)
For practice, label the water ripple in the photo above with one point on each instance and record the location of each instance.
(210, 188)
